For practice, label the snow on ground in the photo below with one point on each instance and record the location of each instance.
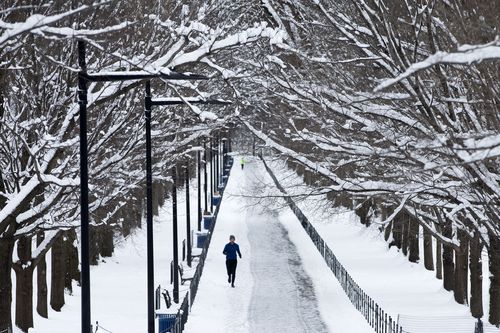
(282, 282)
(119, 284)
(404, 290)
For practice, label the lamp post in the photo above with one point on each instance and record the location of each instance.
(83, 79)
(205, 187)
(174, 234)
(211, 176)
(217, 168)
(149, 102)
(198, 174)
(188, 217)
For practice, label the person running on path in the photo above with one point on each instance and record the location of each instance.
(242, 162)
(230, 250)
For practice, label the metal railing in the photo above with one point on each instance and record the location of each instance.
(373, 313)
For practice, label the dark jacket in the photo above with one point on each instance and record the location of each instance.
(230, 250)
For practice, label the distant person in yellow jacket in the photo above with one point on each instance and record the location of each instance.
(242, 162)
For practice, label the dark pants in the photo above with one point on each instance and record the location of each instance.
(231, 269)
(242, 166)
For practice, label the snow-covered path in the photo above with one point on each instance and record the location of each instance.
(282, 289)
(274, 289)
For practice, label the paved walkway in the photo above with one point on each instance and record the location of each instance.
(273, 293)
(282, 289)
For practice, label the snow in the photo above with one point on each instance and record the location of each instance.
(282, 282)
(73, 33)
(281, 279)
(187, 99)
(466, 54)
(404, 290)
(38, 23)
(275, 36)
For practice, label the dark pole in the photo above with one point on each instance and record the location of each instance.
(84, 188)
(217, 163)
(199, 188)
(149, 210)
(83, 79)
(205, 187)
(211, 176)
(188, 218)
(224, 152)
(174, 232)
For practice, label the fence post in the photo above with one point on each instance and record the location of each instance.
(380, 320)
(369, 317)
(358, 299)
(368, 309)
(373, 313)
(365, 308)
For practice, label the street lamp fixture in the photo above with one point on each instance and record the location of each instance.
(148, 103)
(83, 79)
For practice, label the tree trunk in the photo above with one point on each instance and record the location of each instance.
(461, 269)
(6, 248)
(383, 216)
(71, 252)
(126, 216)
(396, 231)
(405, 232)
(106, 246)
(161, 194)
(439, 260)
(343, 199)
(155, 199)
(387, 231)
(94, 244)
(58, 273)
(24, 285)
(439, 257)
(363, 212)
(414, 240)
(138, 208)
(428, 258)
(41, 280)
(448, 266)
(476, 277)
(494, 265)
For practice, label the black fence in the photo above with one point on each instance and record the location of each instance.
(374, 314)
(183, 312)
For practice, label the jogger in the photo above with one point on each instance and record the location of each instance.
(230, 250)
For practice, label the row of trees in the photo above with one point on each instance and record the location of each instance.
(423, 148)
(395, 105)
(39, 171)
